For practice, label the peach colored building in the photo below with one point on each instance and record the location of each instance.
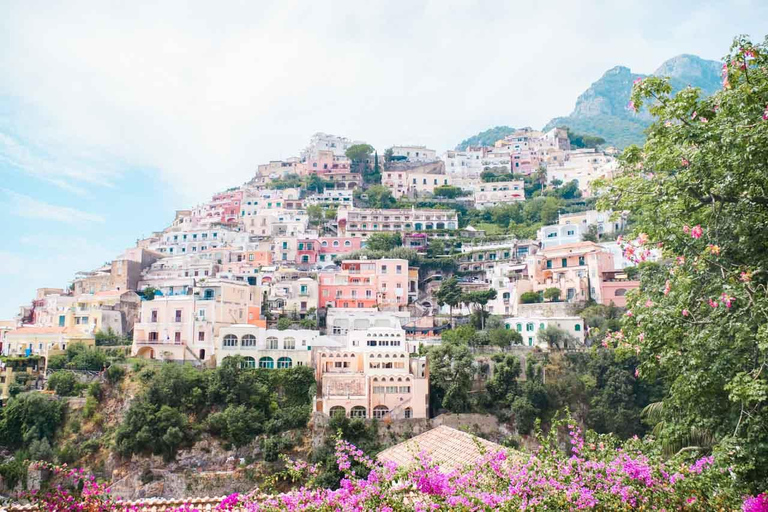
(365, 284)
(374, 376)
(615, 285)
(183, 327)
(577, 269)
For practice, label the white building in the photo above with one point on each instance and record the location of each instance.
(530, 326)
(268, 348)
(560, 234)
(415, 153)
(607, 222)
(327, 142)
(495, 193)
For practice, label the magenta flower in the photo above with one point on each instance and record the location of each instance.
(686, 312)
(631, 106)
(765, 113)
(686, 229)
(757, 503)
(713, 303)
(696, 232)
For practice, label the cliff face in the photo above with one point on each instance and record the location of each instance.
(602, 109)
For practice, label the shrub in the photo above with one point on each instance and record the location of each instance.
(115, 374)
(63, 383)
(530, 297)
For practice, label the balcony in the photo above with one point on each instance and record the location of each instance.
(160, 342)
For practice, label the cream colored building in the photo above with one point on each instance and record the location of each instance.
(43, 341)
(267, 348)
(184, 327)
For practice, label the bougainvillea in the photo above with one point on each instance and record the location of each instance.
(591, 472)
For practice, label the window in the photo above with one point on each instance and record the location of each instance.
(564, 262)
(357, 412)
(284, 362)
(272, 343)
(541, 326)
(153, 316)
(529, 326)
(337, 410)
(177, 337)
(201, 336)
(399, 269)
(230, 341)
(380, 411)
(577, 328)
(581, 260)
(266, 362)
(383, 269)
(249, 340)
(519, 327)
(178, 315)
(249, 362)
(408, 413)
(549, 263)
(289, 344)
(153, 336)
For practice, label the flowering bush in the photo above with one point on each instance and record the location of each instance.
(594, 472)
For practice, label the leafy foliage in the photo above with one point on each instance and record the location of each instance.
(486, 138)
(698, 188)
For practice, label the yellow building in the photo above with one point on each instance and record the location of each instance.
(43, 341)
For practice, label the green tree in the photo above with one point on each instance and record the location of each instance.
(530, 297)
(552, 294)
(503, 385)
(361, 154)
(504, 338)
(554, 337)
(383, 241)
(452, 371)
(480, 298)
(315, 214)
(591, 235)
(378, 196)
(449, 192)
(698, 187)
(449, 293)
(30, 416)
(149, 293)
(63, 383)
(284, 323)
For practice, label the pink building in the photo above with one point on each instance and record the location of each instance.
(578, 269)
(615, 285)
(375, 376)
(366, 284)
(227, 205)
(332, 247)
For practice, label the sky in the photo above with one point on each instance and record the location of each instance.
(115, 114)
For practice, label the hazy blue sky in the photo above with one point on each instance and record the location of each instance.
(114, 114)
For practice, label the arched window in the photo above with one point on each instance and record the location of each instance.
(337, 410)
(249, 362)
(577, 327)
(529, 326)
(272, 343)
(358, 411)
(335, 243)
(408, 413)
(541, 326)
(266, 362)
(380, 411)
(284, 362)
(620, 292)
(347, 243)
(289, 344)
(249, 340)
(230, 341)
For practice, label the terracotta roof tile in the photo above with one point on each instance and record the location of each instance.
(446, 446)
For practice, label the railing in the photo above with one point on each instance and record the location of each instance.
(159, 342)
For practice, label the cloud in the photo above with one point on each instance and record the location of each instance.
(28, 207)
(199, 95)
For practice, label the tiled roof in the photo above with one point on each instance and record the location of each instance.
(447, 447)
(146, 505)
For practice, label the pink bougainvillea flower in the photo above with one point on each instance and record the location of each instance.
(713, 249)
(667, 287)
(727, 300)
(745, 277)
(642, 238)
(696, 231)
(631, 106)
(637, 80)
(765, 113)
(693, 116)
(649, 303)
(686, 229)
(686, 312)
(713, 303)
(629, 313)
(637, 373)
(757, 503)
(685, 162)
(681, 260)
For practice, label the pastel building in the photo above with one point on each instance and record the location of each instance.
(560, 234)
(529, 327)
(293, 296)
(43, 341)
(366, 284)
(373, 376)
(267, 348)
(576, 269)
(606, 222)
(495, 193)
(361, 223)
(414, 153)
(183, 327)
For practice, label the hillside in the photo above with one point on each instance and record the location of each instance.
(485, 138)
(602, 109)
